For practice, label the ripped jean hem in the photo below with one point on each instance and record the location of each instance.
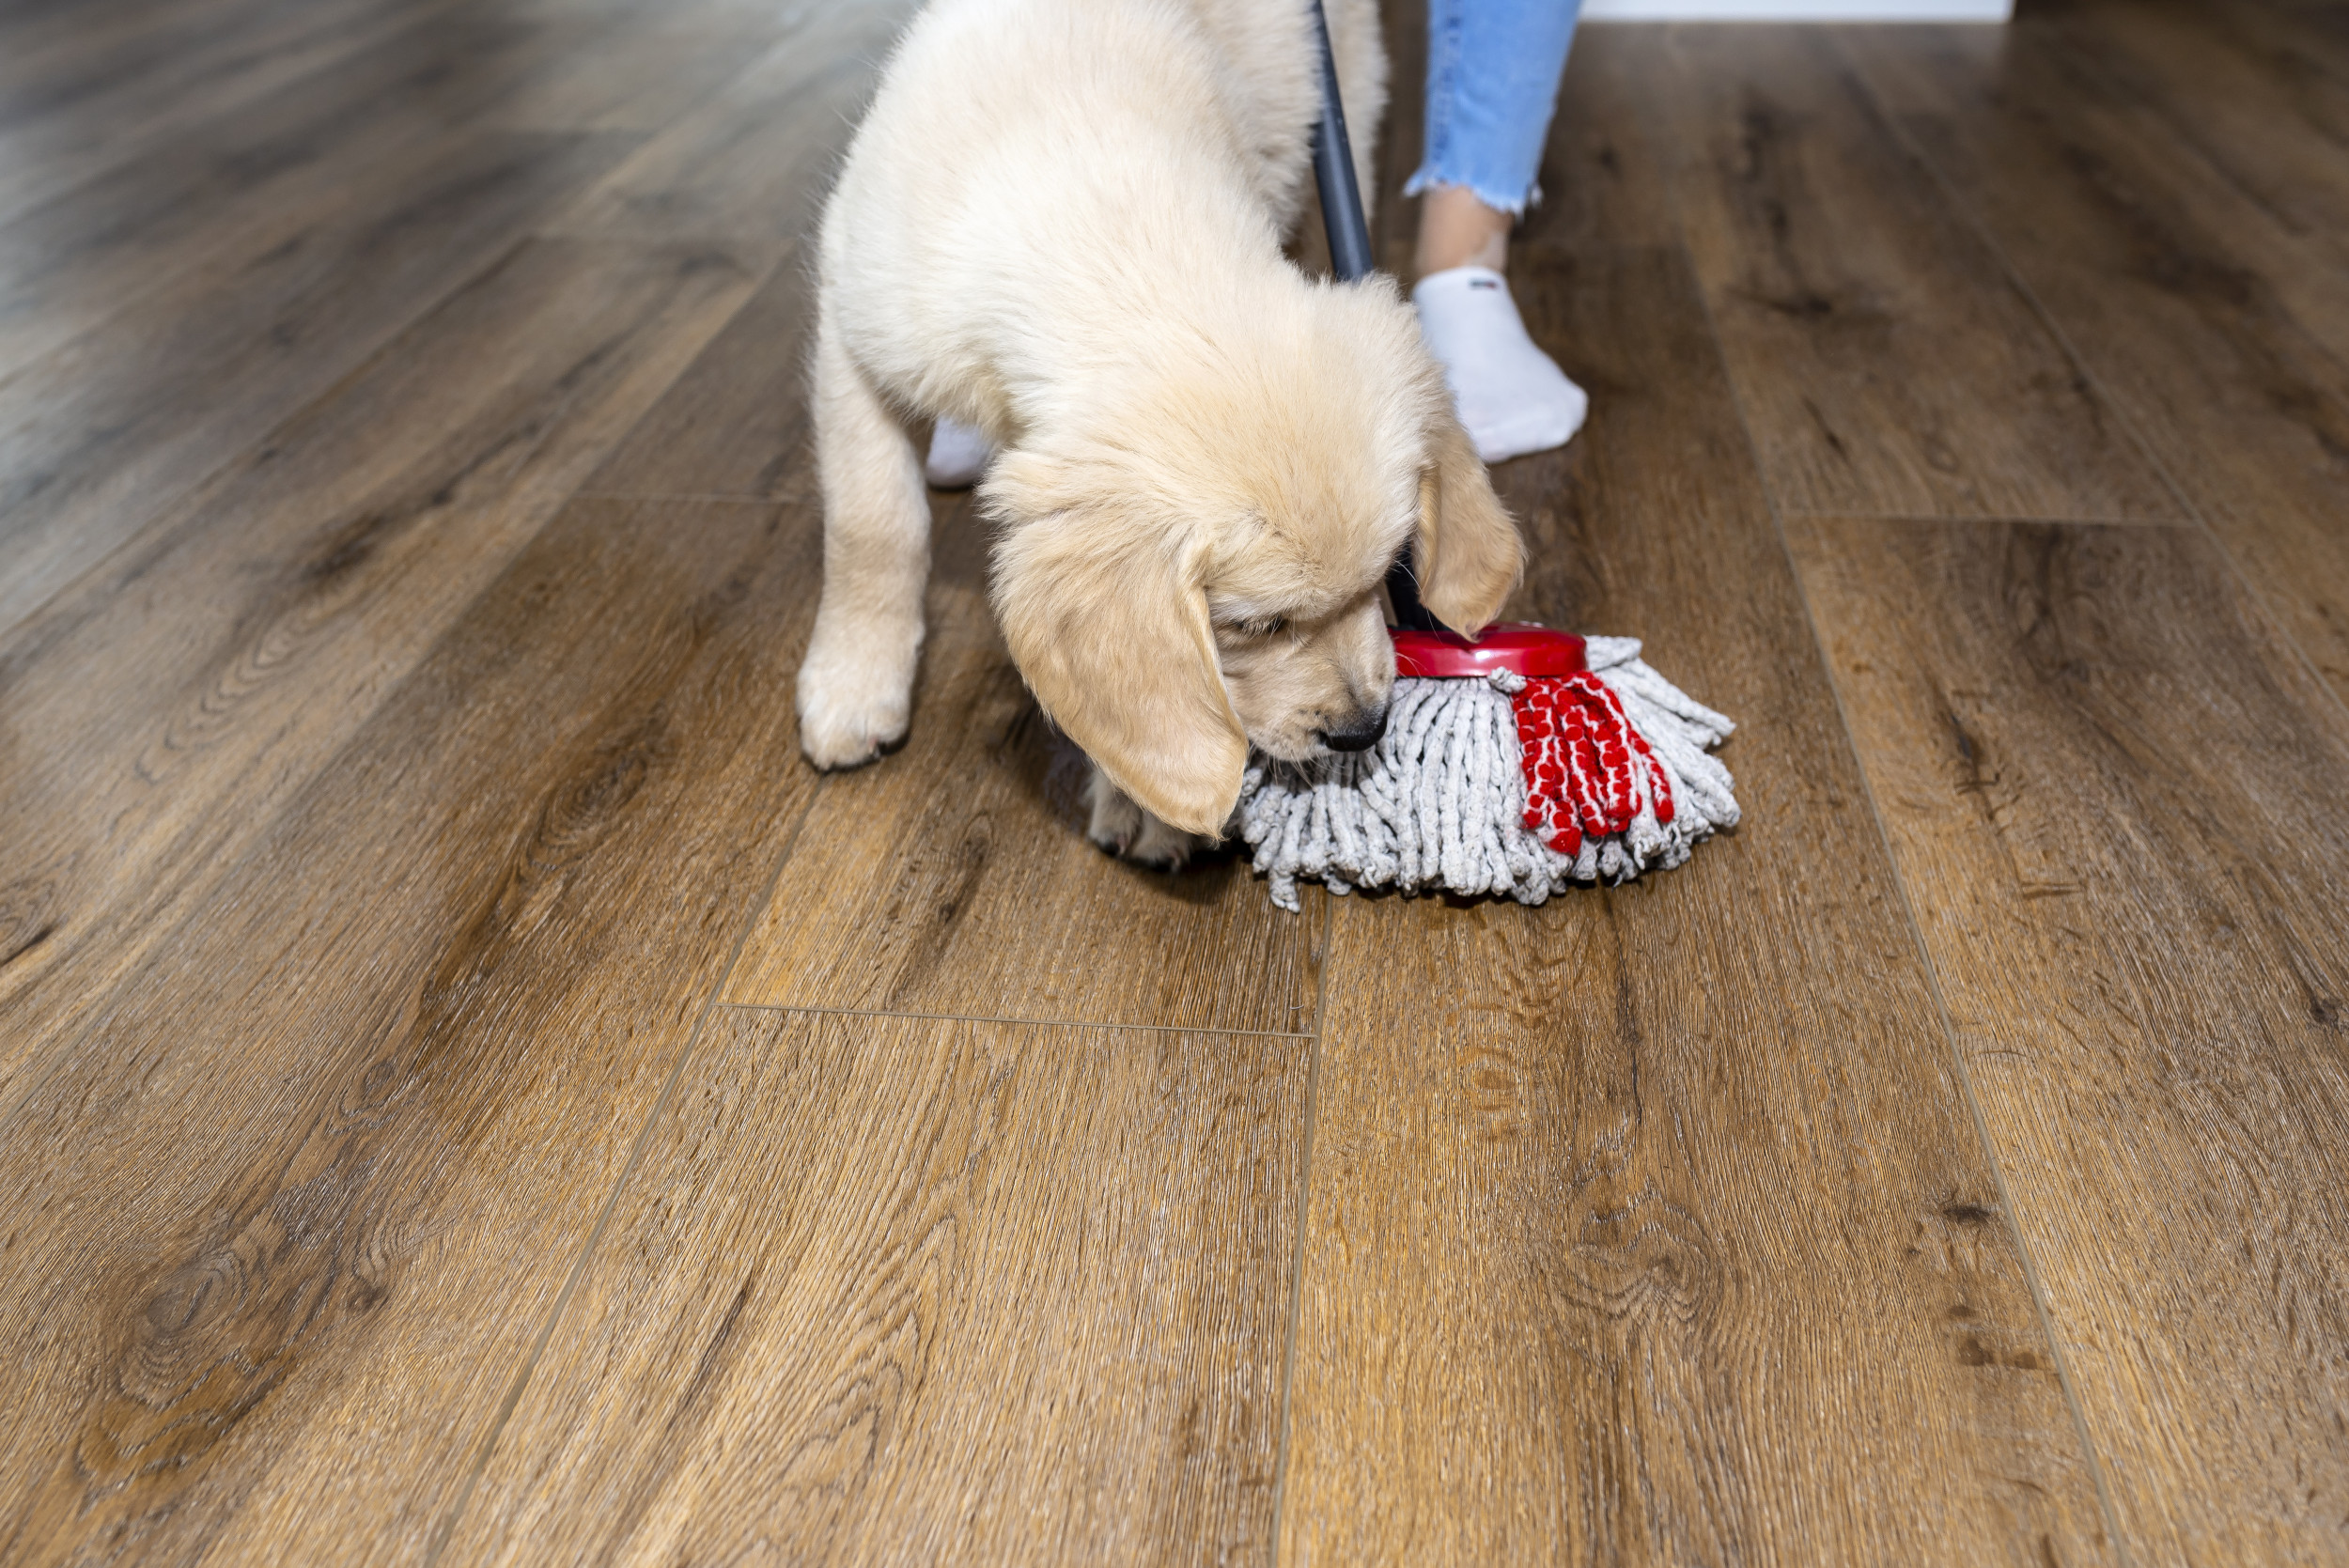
(1513, 203)
(1493, 71)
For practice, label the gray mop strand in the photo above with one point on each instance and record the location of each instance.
(1440, 803)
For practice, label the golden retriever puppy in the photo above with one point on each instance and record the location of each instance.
(1062, 223)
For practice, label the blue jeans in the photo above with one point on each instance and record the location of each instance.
(1492, 79)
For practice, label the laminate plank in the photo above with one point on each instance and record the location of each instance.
(110, 431)
(643, 80)
(1883, 361)
(1600, 182)
(736, 423)
(34, 23)
(759, 158)
(637, 67)
(1653, 1225)
(752, 13)
(165, 709)
(2256, 125)
(633, 68)
(2243, 94)
(1393, 218)
(2316, 25)
(918, 884)
(106, 96)
(55, 47)
(2267, 118)
(919, 1290)
(2134, 249)
(350, 1130)
(2114, 794)
(322, 146)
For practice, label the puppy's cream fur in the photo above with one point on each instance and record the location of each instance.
(1061, 221)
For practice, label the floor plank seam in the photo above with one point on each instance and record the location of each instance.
(148, 143)
(2000, 519)
(1605, 1282)
(726, 498)
(597, 231)
(1933, 979)
(1296, 1254)
(156, 533)
(752, 911)
(2137, 439)
(1029, 1023)
(175, 513)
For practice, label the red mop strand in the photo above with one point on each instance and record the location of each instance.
(1512, 764)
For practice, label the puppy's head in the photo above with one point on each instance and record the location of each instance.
(1192, 560)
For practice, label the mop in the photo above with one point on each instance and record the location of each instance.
(1512, 764)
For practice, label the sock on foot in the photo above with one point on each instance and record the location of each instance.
(959, 455)
(1512, 396)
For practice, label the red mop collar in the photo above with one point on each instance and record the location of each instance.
(1520, 645)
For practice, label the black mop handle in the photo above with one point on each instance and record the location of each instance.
(1334, 171)
(1350, 259)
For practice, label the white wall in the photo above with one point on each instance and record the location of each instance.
(1796, 11)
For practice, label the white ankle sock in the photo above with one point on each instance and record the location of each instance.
(1512, 396)
(959, 455)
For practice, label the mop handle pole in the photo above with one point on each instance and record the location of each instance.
(1334, 171)
(1350, 259)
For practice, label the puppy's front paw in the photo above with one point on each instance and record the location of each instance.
(850, 706)
(1126, 830)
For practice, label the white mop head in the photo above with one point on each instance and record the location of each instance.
(1613, 762)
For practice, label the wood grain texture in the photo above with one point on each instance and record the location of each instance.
(736, 423)
(646, 76)
(917, 886)
(354, 109)
(1603, 176)
(1654, 1226)
(755, 160)
(1883, 361)
(161, 711)
(105, 435)
(2134, 904)
(58, 55)
(255, 175)
(759, 156)
(2164, 276)
(407, 533)
(2256, 107)
(103, 97)
(348, 1130)
(915, 1290)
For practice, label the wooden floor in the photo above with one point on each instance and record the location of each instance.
(469, 1094)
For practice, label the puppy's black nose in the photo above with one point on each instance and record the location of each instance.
(1360, 736)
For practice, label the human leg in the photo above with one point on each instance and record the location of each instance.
(1492, 81)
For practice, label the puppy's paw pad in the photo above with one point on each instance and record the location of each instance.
(1116, 822)
(1162, 846)
(1127, 830)
(837, 733)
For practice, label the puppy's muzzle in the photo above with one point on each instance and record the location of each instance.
(1359, 735)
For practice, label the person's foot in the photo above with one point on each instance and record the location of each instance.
(1512, 397)
(959, 455)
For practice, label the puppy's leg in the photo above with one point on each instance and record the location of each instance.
(1126, 830)
(856, 685)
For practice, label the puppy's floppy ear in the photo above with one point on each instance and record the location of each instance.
(1468, 557)
(1108, 623)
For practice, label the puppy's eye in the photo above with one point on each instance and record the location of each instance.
(1269, 625)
